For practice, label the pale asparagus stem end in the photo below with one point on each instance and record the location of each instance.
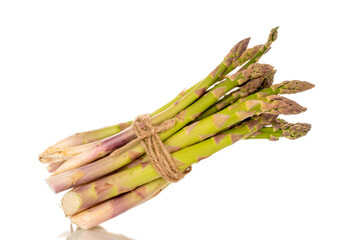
(71, 202)
(53, 166)
(63, 154)
(84, 138)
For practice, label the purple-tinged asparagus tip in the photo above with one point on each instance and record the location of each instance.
(273, 34)
(285, 105)
(237, 50)
(297, 130)
(294, 86)
(256, 70)
(291, 130)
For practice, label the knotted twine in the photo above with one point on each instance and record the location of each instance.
(159, 155)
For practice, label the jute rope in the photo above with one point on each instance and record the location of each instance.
(159, 155)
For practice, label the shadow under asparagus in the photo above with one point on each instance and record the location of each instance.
(96, 233)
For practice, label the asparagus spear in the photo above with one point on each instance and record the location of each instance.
(286, 87)
(264, 48)
(253, 54)
(242, 92)
(63, 154)
(281, 128)
(88, 136)
(53, 166)
(108, 145)
(118, 205)
(78, 199)
(98, 134)
(115, 161)
(203, 103)
(229, 116)
(119, 158)
(111, 208)
(244, 128)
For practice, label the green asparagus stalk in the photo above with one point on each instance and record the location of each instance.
(98, 134)
(255, 122)
(281, 128)
(113, 185)
(243, 91)
(223, 87)
(115, 161)
(286, 87)
(95, 215)
(116, 206)
(229, 116)
(73, 202)
(264, 48)
(110, 144)
(120, 158)
(252, 54)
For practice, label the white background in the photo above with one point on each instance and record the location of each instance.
(70, 66)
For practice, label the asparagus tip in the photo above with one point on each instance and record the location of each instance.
(256, 70)
(292, 130)
(297, 130)
(273, 34)
(268, 81)
(294, 86)
(237, 50)
(285, 105)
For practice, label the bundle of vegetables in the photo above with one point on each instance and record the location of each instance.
(109, 173)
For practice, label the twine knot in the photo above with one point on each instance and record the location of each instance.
(157, 152)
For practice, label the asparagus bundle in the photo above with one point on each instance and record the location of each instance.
(110, 172)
